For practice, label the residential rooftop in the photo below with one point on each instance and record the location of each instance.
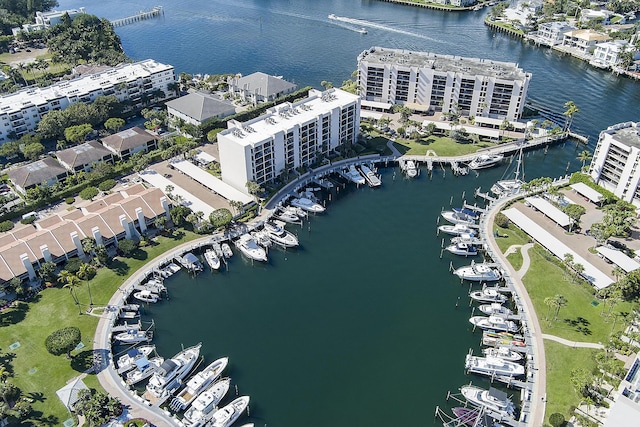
(627, 133)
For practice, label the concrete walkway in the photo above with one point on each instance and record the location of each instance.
(393, 149)
(526, 260)
(574, 344)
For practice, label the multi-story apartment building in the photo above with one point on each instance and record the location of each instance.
(288, 135)
(20, 112)
(451, 84)
(616, 161)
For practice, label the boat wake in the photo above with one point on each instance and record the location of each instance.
(369, 24)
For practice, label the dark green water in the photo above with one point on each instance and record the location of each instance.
(359, 326)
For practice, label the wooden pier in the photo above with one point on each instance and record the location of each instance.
(140, 16)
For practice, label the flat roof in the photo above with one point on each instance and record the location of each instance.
(204, 158)
(550, 210)
(596, 277)
(159, 181)
(476, 130)
(375, 104)
(619, 258)
(622, 412)
(586, 191)
(211, 182)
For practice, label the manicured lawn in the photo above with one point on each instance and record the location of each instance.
(36, 372)
(580, 320)
(510, 236)
(515, 259)
(561, 396)
(442, 146)
(376, 145)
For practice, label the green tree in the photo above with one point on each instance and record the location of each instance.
(33, 150)
(601, 232)
(220, 218)
(102, 254)
(127, 247)
(178, 214)
(254, 188)
(86, 272)
(63, 341)
(114, 124)
(560, 301)
(88, 245)
(9, 148)
(571, 110)
(584, 156)
(575, 212)
(72, 283)
(89, 193)
(78, 133)
(556, 419)
(47, 271)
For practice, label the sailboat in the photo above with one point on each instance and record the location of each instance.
(506, 187)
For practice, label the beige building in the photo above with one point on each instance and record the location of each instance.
(130, 141)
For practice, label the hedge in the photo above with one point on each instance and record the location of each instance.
(608, 196)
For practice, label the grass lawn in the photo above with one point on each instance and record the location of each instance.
(561, 397)
(442, 146)
(36, 372)
(580, 320)
(376, 145)
(510, 236)
(515, 259)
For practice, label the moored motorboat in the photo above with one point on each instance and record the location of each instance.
(494, 323)
(212, 259)
(198, 383)
(127, 361)
(484, 161)
(227, 415)
(206, 403)
(458, 218)
(354, 176)
(226, 250)
(457, 230)
(279, 235)
(144, 369)
(463, 249)
(493, 399)
(287, 215)
(372, 179)
(503, 353)
(468, 212)
(488, 295)
(493, 366)
(362, 30)
(495, 309)
(146, 296)
(250, 248)
(514, 342)
(132, 336)
(307, 205)
(478, 273)
(169, 375)
(412, 169)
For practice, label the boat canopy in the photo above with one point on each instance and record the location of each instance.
(497, 394)
(167, 366)
(142, 363)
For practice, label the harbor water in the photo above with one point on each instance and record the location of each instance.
(359, 326)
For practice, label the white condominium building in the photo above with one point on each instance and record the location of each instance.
(20, 112)
(616, 161)
(451, 84)
(288, 135)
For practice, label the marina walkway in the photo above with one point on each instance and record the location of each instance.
(526, 260)
(574, 344)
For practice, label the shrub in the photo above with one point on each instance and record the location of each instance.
(73, 265)
(107, 185)
(63, 341)
(501, 220)
(28, 220)
(127, 247)
(89, 193)
(6, 225)
(70, 200)
(556, 420)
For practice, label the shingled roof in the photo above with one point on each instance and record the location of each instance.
(37, 172)
(264, 84)
(83, 154)
(127, 139)
(201, 106)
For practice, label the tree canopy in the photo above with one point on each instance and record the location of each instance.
(14, 13)
(63, 341)
(220, 218)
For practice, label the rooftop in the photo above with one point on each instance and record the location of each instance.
(443, 63)
(37, 172)
(83, 154)
(626, 133)
(201, 106)
(128, 139)
(264, 84)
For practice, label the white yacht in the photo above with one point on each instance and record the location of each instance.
(279, 235)
(412, 169)
(230, 413)
(127, 361)
(457, 230)
(495, 309)
(226, 250)
(354, 176)
(198, 383)
(287, 215)
(484, 161)
(372, 179)
(132, 336)
(146, 296)
(503, 353)
(168, 376)
(250, 248)
(488, 296)
(478, 273)
(212, 259)
(206, 403)
(492, 399)
(144, 369)
(307, 205)
(506, 187)
(458, 218)
(468, 212)
(493, 366)
(463, 249)
(494, 323)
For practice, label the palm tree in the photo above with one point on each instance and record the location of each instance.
(85, 272)
(584, 156)
(571, 110)
(88, 246)
(549, 302)
(559, 302)
(72, 283)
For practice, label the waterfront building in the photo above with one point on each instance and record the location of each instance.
(607, 54)
(288, 136)
(45, 172)
(47, 19)
(616, 161)
(456, 3)
(58, 237)
(627, 405)
(126, 143)
(197, 107)
(602, 16)
(84, 157)
(551, 33)
(523, 13)
(430, 82)
(259, 87)
(20, 112)
(583, 41)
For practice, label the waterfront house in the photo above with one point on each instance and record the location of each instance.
(259, 87)
(197, 107)
(130, 141)
(582, 42)
(551, 33)
(616, 161)
(45, 20)
(288, 136)
(84, 157)
(601, 16)
(41, 172)
(607, 54)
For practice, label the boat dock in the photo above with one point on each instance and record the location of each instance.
(155, 12)
(127, 327)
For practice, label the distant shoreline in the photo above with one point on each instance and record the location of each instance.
(437, 6)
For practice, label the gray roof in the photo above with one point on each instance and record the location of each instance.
(201, 106)
(83, 154)
(264, 84)
(36, 172)
(128, 139)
